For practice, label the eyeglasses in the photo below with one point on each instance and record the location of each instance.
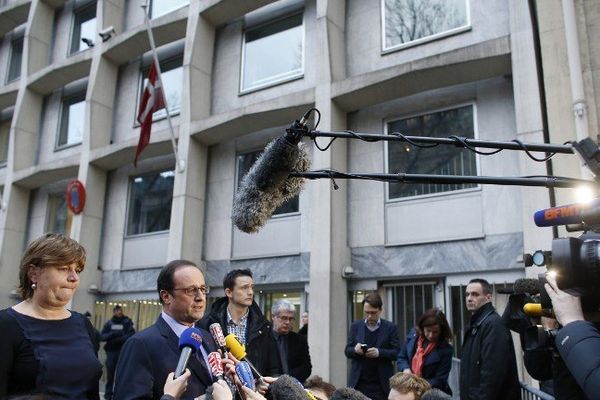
(195, 290)
(288, 319)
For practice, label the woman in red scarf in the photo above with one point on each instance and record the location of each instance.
(427, 352)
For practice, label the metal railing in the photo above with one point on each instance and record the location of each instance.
(529, 392)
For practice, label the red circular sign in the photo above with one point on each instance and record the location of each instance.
(75, 196)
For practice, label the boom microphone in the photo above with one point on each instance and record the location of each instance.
(267, 185)
(287, 388)
(189, 342)
(347, 394)
(571, 214)
(239, 351)
(526, 285)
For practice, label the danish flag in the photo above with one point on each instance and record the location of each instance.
(152, 100)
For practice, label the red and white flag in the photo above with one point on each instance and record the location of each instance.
(152, 100)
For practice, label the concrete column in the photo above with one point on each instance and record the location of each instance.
(329, 250)
(189, 193)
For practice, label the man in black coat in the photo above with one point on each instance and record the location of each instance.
(115, 332)
(237, 313)
(150, 355)
(292, 347)
(373, 346)
(488, 369)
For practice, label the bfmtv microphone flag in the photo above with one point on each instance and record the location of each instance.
(152, 100)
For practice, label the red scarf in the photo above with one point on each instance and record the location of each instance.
(418, 360)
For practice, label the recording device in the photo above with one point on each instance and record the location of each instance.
(287, 387)
(216, 368)
(268, 185)
(364, 347)
(238, 350)
(243, 371)
(347, 394)
(217, 334)
(189, 343)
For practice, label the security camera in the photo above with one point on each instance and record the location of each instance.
(88, 42)
(107, 33)
(347, 272)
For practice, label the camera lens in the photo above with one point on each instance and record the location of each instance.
(577, 264)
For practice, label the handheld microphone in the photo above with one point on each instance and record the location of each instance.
(570, 214)
(217, 334)
(189, 342)
(536, 310)
(268, 185)
(238, 350)
(243, 371)
(287, 387)
(216, 368)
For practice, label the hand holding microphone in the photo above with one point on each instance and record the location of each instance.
(239, 351)
(176, 386)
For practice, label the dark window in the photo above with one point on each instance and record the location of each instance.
(16, 55)
(84, 28)
(4, 135)
(245, 162)
(59, 216)
(440, 160)
(150, 201)
(408, 303)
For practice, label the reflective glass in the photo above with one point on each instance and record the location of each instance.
(150, 203)
(162, 7)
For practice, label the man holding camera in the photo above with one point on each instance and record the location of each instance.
(488, 368)
(578, 341)
(373, 346)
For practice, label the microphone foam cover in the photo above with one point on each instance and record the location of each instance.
(287, 388)
(347, 394)
(267, 185)
(526, 285)
(192, 338)
(235, 347)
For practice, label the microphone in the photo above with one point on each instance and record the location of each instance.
(217, 334)
(189, 342)
(527, 286)
(288, 388)
(243, 371)
(347, 394)
(536, 310)
(216, 368)
(267, 185)
(570, 214)
(239, 351)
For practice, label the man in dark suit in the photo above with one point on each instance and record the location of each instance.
(292, 347)
(148, 356)
(373, 345)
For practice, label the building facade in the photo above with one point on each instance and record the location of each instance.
(236, 74)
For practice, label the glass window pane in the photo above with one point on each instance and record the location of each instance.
(4, 135)
(410, 20)
(162, 7)
(150, 203)
(84, 26)
(59, 216)
(273, 53)
(439, 160)
(16, 55)
(245, 162)
(172, 80)
(72, 121)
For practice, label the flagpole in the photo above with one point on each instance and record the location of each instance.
(180, 162)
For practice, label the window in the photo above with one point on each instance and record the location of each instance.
(417, 21)
(172, 83)
(162, 7)
(72, 120)
(16, 55)
(409, 302)
(440, 160)
(150, 201)
(273, 53)
(84, 27)
(4, 135)
(59, 217)
(244, 162)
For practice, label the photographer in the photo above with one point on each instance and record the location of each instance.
(578, 342)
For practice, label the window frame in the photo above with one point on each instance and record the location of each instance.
(157, 116)
(8, 121)
(80, 11)
(51, 212)
(131, 179)
(386, 123)
(279, 81)
(68, 100)
(18, 38)
(151, 9)
(423, 40)
(238, 181)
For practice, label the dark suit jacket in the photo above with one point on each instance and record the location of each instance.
(149, 356)
(388, 344)
(437, 365)
(298, 358)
